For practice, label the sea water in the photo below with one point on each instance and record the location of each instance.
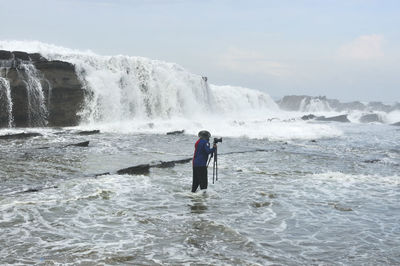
(289, 192)
(332, 201)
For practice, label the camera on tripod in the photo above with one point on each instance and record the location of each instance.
(216, 140)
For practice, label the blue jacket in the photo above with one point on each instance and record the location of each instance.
(201, 152)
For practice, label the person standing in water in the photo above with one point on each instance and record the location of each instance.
(201, 152)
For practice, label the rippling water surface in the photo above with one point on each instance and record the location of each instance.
(332, 201)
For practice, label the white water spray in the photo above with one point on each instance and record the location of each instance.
(5, 98)
(314, 105)
(37, 111)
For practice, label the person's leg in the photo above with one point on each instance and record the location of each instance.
(203, 177)
(196, 179)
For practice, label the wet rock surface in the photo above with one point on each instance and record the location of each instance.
(62, 91)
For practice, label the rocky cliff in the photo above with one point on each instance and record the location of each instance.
(37, 92)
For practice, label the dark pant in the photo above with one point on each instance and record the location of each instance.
(199, 178)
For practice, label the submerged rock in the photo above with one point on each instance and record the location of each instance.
(370, 118)
(339, 118)
(37, 189)
(20, 136)
(308, 117)
(142, 169)
(183, 161)
(177, 132)
(165, 164)
(106, 173)
(372, 161)
(80, 144)
(260, 204)
(91, 132)
(342, 208)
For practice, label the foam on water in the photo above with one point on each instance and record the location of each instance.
(356, 180)
(298, 202)
(393, 117)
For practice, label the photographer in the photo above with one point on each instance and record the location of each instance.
(201, 152)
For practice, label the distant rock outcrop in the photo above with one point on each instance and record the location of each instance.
(370, 118)
(339, 118)
(38, 92)
(292, 102)
(321, 103)
(378, 106)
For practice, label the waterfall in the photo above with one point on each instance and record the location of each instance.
(136, 89)
(37, 111)
(5, 99)
(124, 88)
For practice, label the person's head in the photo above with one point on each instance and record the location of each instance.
(204, 134)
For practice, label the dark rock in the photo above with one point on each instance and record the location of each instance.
(31, 190)
(61, 87)
(37, 189)
(106, 173)
(36, 57)
(165, 164)
(21, 55)
(92, 132)
(183, 161)
(342, 208)
(370, 118)
(177, 132)
(5, 55)
(260, 204)
(372, 161)
(20, 136)
(66, 93)
(80, 144)
(308, 117)
(56, 64)
(135, 170)
(339, 118)
(313, 140)
(396, 124)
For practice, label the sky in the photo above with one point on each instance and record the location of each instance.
(343, 49)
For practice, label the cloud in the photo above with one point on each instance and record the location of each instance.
(251, 62)
(365, 47)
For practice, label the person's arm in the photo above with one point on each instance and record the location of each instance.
(207, 148)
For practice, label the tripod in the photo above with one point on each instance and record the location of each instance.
(215, 165)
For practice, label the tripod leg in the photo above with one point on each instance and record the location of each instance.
(213, 171)
(216, 170)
